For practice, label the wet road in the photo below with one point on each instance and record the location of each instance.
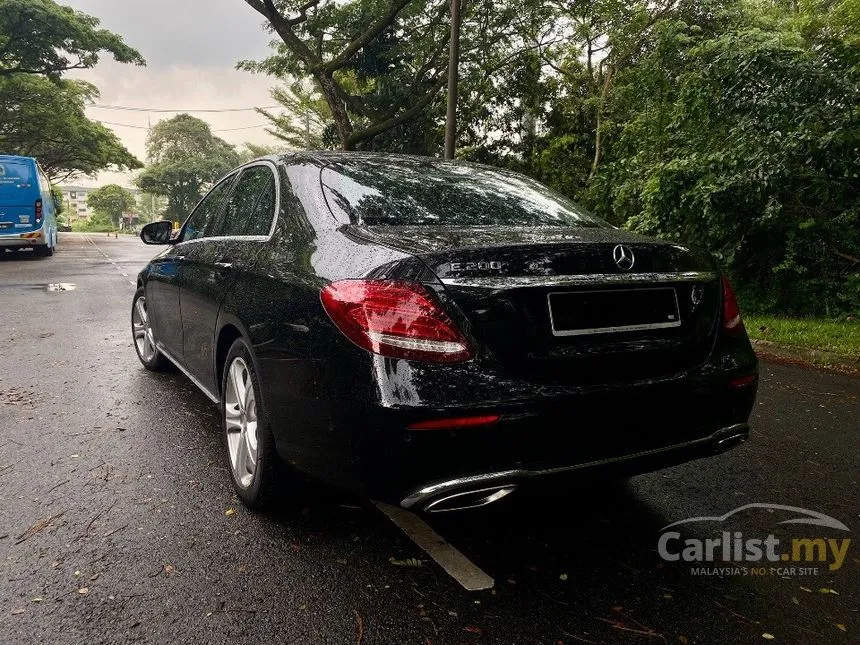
(117, 521)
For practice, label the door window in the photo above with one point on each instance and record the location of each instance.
(240, 217)
(206, 211)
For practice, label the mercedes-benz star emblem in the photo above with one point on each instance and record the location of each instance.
(623, 257)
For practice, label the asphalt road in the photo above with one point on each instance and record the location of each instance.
(117, 521)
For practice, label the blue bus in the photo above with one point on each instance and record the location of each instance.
(27, 213)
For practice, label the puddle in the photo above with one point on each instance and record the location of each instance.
(61, 286)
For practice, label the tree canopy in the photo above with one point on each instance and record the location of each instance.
(42, 37)
(185, 158)
(42, 114)
(111, 202)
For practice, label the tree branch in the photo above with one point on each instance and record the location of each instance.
(393, 122)
(372, 32)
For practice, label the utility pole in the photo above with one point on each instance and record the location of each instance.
(453, 73)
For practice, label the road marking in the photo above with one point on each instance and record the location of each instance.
(446, 555)
(109, 259)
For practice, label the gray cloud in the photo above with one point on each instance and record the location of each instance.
(178, 32)
(191, 48)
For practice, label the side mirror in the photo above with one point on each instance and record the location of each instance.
(157, 233)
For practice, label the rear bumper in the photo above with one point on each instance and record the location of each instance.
(480, 489)
(22, 240)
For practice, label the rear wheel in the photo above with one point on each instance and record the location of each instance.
(255, 467)
(43, 250)
(144, 338)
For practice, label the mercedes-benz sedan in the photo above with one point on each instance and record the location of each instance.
(438, 334)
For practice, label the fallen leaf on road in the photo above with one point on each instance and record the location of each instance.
(229, 512)
(36, 599)
(795, 600)
(168, 569)
(15, 612)
(826, 590)
(806, 589)
(408, 562)
(841, 627)
(767, 636)
(84, 591)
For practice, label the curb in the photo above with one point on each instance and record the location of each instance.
(831, 361)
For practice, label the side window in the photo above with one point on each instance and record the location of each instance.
(205, 212)
(260, 222)
(242, 205)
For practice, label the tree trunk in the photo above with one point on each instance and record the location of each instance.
(598, 134)
(338, 109)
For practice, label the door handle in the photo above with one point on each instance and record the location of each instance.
(223, 266)
(178, 258)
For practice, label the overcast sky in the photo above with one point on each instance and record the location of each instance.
(191, 48)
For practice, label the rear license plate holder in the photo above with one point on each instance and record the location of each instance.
(580, 313)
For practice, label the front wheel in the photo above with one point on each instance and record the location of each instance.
(144, 338)
(255, 467)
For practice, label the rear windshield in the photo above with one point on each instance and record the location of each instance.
(16, 180)
(414, 193)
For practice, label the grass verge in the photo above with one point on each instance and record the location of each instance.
(840, 337)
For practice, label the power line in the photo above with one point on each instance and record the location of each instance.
(140, 109)
(143, 127)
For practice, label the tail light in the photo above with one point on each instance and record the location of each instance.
(395, 319)
(732, 322)
(38, 211)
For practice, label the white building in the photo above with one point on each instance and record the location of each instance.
(75, 202)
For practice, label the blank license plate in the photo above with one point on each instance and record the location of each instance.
(602, 312)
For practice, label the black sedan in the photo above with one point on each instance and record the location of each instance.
(438, 334)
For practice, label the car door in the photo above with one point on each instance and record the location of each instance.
(210, 269)
(163, 283)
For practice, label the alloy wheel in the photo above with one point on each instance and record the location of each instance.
(240, 414)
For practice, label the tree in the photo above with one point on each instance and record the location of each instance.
(335, 43)
(42, 37)
(185, 158)
(47, 120)
(305, 122)
(41, 114)
(111, 201)
(744, 140)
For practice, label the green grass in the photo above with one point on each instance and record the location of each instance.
(841, 337)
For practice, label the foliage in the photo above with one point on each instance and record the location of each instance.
(42, 37)
(46, 119)
(111, 202)
(185, 158)
(748, 148)
(305, 122)
(731, 124)
(41, 114)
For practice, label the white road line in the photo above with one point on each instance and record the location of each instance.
(446, 555)
(109, 259)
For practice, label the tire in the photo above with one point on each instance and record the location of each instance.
(255, 467)
(43, 251)
(144, 345)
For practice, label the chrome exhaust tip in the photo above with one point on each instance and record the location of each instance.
(469, 499)
(727, 443)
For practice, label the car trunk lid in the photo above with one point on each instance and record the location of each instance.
(553, 305)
